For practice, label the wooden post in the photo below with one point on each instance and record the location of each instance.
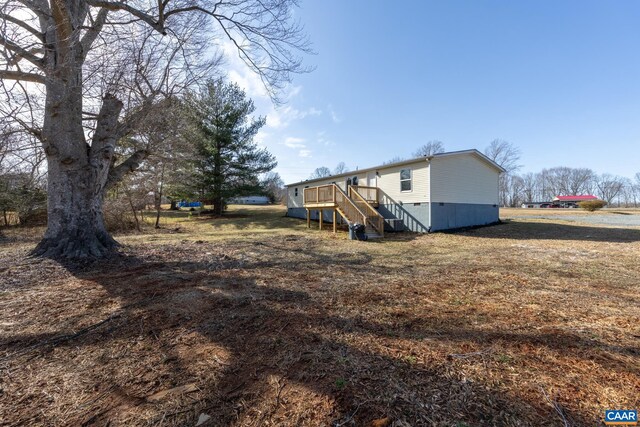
(308, 219)
(335, 221)
(320, 219)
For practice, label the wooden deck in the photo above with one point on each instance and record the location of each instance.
(356, 206)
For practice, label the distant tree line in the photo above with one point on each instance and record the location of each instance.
(323, 171)
(516, 189)
(617, 191)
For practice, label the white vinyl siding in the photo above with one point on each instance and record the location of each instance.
(387, 180)
(294, 201)
(297, 202)
(389, 183)
(463, 179)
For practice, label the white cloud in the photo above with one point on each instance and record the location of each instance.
(324, 141)
(293, 92)
(293, 142)
(281, 117)
(297, 144)
(334, 115)
(278, 117)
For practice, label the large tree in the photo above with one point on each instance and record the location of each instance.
(229, 161)
(506, 155)
(101, 67)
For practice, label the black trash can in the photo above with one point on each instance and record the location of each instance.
(356, 232)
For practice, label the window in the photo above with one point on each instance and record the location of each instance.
(355, 180)
(405, 179)
(295, 192)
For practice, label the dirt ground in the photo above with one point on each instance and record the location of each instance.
(257, 321)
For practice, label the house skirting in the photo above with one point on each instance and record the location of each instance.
(415, 216)
(445, 216)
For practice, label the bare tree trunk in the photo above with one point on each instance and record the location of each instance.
(75, 225)
(158, 196)
(135, 215)
(218, 208)
(77, 173)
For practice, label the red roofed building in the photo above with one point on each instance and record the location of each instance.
(574, 198)
(571, 201)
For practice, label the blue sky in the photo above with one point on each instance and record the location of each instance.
(558, 79)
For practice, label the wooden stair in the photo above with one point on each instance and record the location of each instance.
(372, 233)
(353, 207)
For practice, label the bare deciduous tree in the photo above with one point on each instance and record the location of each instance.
(340, 168)
(529, 187)
(273, 187)
(505, 154)
(563, 180)
(320, 172)
(429, 149)
(394, 159)
(81, 75)
(609, 186)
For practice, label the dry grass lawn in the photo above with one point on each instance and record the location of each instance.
(256, 321)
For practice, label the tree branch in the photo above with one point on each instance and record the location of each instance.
(104, 138)
(118, 5)
(22, 24)
(93, 32)
(132, 163)
(21, 76)
(37, 6)
(22, 53)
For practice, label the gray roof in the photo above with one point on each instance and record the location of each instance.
(473, 151)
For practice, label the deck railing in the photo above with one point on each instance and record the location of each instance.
(355, 207)
(372, 216)
(321, 194)
(370, 194)
(348, 208)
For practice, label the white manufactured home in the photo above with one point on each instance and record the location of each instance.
(250, 200)
(444, 191)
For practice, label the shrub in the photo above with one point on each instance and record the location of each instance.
(22, 196)
(118, 215)
(592, 205)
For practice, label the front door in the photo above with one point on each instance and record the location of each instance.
(371, 179)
